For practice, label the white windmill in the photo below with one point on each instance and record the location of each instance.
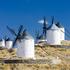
(55, 33)
(8, 43)
(2, 43)
(25, 43)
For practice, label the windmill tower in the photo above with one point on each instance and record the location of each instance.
(26, 46)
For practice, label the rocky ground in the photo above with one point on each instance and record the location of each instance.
(46, 59)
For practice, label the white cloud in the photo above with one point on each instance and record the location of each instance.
(42, 21)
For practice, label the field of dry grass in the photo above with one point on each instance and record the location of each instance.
(34, 67)
(40, 53)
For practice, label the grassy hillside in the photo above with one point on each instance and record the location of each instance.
(46, 52)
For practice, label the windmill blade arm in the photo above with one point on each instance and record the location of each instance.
(12, 31)
(20, 28)
(14, 42)
(16, 39)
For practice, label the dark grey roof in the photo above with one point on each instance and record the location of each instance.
(8, 39)
(27, 36)
(59, 25)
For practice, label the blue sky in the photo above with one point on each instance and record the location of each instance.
(28, 12)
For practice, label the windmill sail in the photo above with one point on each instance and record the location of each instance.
(18, 35)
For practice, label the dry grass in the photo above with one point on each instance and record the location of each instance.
(65, 42)
(40, 52)
(34, 67)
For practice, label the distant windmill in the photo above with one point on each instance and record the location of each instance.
(44, 22)
(18, 35)
(8, 43)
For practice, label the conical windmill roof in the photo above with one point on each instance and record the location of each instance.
(52, 26)
(27, 36)
(8, 39)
